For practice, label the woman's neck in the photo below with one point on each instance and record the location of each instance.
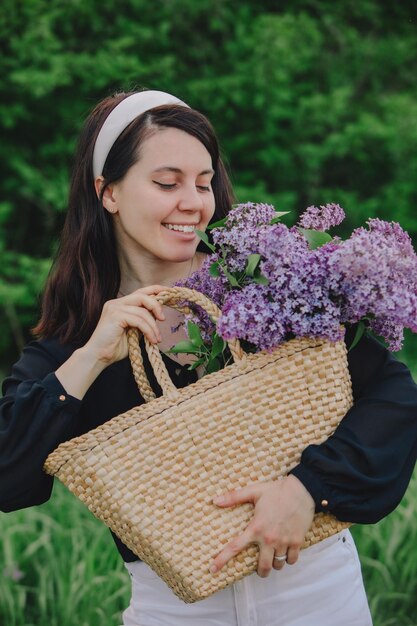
(151, 272)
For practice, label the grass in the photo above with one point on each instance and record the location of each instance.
(59, 567)
(389, 564)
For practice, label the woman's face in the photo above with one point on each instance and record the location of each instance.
(164, 197)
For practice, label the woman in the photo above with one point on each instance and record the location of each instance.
(147, 174)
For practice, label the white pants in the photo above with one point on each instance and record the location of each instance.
(324, 588)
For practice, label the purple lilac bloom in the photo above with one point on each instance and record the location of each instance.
(392, 230)
(374, 273)
(372, 276)
(248, 314)
(215, 289)
(299, 282)
(322, 218)
(392, 333)
(239, 236)
(298, 293)
(249, 215)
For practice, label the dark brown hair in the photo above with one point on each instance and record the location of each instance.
(86, 272)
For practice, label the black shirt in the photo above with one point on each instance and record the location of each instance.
(361, 471)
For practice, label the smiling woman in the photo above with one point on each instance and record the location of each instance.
(157, 208)
(144, 160)
(147, 175)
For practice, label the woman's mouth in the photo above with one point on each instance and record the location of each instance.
(182, 228)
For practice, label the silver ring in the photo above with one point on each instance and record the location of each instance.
(283, 557)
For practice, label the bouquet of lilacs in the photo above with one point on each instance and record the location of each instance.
(274, 282)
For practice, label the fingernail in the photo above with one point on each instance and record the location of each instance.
(219, 500)
(213, 569)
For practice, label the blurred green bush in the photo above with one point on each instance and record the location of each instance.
(314, 101)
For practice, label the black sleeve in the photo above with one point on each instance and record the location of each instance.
(36, 414)
(362, 471)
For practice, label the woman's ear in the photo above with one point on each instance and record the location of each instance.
(108, 199)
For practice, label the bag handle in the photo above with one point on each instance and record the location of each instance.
(173, 297)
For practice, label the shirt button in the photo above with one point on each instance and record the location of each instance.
(62, 398)
(324, 503)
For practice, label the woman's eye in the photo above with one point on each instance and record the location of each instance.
(164, 185)
(172, 185)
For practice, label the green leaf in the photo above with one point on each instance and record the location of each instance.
(218, 224)
(183, 347)
(196, 363)
(315, 238)
(232, 280)
(252, 263)
(260, 280)
(204, 238)
(214, 269)
(359, 332)
(278, 216)
(194, 334)
(218, 346)
(213, 366)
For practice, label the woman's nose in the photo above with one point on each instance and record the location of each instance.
(190, 199)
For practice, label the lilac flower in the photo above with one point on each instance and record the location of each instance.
(393, 333)
(299, 282)
(248, 314)
(392, 230)
(202, 281)
(371, 276)
(374, 274)
(249, 215)
(322, 218)
(281, 249)
(244, 225)
(216, 290)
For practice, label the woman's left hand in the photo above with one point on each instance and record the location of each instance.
(284, 511)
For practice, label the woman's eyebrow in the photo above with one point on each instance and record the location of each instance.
(177, 170)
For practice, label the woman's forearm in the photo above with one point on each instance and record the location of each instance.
(79, 372)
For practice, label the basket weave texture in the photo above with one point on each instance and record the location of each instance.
(150, 474)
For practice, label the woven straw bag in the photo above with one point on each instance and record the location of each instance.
(151, 473)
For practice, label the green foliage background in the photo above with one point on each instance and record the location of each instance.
(314, 101)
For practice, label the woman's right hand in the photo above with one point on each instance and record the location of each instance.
(140, 309)
(108, 343)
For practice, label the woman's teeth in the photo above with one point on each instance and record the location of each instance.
(184, 229)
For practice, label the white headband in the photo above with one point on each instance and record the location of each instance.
(121, 116)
